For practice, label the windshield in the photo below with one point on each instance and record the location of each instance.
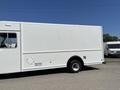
(114, 46)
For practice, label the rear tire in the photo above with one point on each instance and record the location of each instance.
(75, 66)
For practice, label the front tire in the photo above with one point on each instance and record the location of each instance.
(74, 66)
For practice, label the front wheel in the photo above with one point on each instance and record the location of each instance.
(74, 66)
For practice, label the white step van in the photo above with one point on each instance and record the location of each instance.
(26, 46)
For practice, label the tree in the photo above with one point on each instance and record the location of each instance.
(108, 37)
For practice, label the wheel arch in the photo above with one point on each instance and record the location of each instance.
(77, 58)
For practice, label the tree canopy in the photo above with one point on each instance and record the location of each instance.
(107, 37)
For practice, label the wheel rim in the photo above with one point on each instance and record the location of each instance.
(76, 67)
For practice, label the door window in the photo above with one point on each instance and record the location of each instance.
(8, 40)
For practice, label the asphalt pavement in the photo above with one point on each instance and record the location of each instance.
(96, 77)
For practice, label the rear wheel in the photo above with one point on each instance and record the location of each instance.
(75, 66)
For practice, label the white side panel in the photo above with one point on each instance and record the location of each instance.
(47, 45)
(45, 38)
(51, 60)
